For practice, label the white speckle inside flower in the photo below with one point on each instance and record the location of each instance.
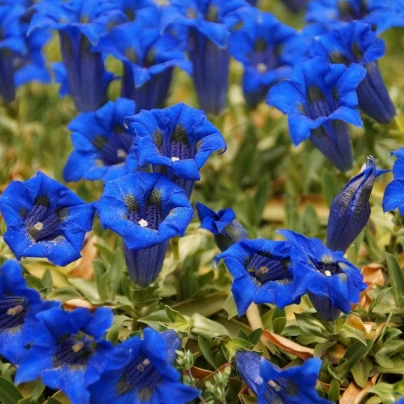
(143, 223)
(38, 226)
(274, 385)
(146, 362)
(173, 159)
(327, 273)
(121, 153)
(261, 67)
(13, 311)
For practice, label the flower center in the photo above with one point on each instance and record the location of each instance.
(281, 391)
(327, 266)
(113, 149)
(12, 311)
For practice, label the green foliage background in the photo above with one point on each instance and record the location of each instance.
(270, 184)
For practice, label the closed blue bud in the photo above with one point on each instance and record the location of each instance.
(263, 271)
(350, 210)
(357, 43)
(103, 146)
(176, 141)
(223, 225)
(80, 24)
(146, 210)
(146, 375)
(148, 57)
(331, 281)
(45, 219)
(19, 306)
(21, 59)
(259, 47)
(320, 99)
(68, 352)
(381, 14)
(270, 384)
(394, 193)
(209, 24)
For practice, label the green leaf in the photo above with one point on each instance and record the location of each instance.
(330, 187)
(321, 349)
(348, 331)
(64, 294)
(155, 319)
(361, 371)
(9, 394)
(353, 355)
(205, 327)
(396, 277)
(33, 282)
(47, 281)
(206, 351)
(53, 401)
(334, 392)
(230, 307)
(311, 325)
(255, 336)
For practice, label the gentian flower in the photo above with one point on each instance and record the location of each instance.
(264, 271)
(253, 2)
(21, 59)
(320, 100)
(18, 307)
(45, 219)
(350, 210)
(68, 352)
(271, 384)
(80, 24)
(223, 224)
(103, 147)
(146, 210)
(209, 23)
(132, 7)
(296, 5)
(148, 58)
(331, 281)
(176, 141)
(381, 14)
(357, 43)
(259, 47)
(394, 194)
(146, 375)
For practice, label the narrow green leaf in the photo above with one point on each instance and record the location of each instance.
(333, 393)
(396, 277)
(206, 351)
(9, 394)
(47, 280)
(361, 371)
(353, 355)
(255, 336)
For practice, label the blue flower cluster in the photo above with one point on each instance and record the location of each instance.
(68, 352)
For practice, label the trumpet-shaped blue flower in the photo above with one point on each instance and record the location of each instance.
(146, 210)
(18, 307)
(382, 14)
(223, 224)
(264, 271)
(176, 141)
(394, 194)
(331, 281)
(148, 58)
(103, 147)
(45, 219)
(320, 99)
(68, 352)
(259, 47)
(350, 210)
(146, 375)
(357, 43)
(271, 384)
(21, 59)
(80, 24)
(209, 23)
(131, 8)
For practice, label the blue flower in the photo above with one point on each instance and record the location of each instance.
(331, 281)
(357, 43)
(320, 100)
(80, 24)
(103, 147)
(21, 59)
(146, 375)
(382, 14)
(294, 385)
(176, 141)
(350, 210)
(68, 352)
(146, 210)
(148, 58)
(253, 2)
(264, 271)
(45, 219)
(209, 23)
(18, 307)
(223, 224)
(394, 194)
(258, 45)
(131, 8)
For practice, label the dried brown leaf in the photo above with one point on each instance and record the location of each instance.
(83, 268)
